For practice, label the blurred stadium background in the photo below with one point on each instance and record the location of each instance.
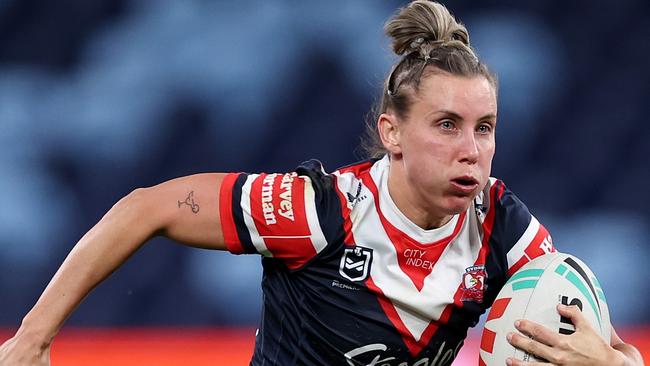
(100, 97)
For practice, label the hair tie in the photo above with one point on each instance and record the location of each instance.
(416, 44)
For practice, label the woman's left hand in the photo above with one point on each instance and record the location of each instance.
(584, 347)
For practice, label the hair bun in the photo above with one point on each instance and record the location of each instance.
(422, 25)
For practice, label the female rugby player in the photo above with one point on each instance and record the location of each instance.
(387, 261)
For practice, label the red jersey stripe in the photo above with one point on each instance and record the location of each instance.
(294, 251)
(388, 307)
(540, 245)
(515, 267)
(357, 169)
(278, 205)
(502, 188)
(278, 210)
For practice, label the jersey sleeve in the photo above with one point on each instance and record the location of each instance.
(514, 232)
(291, 216)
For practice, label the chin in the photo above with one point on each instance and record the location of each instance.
(458, 205)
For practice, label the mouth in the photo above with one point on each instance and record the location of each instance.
(464, 184)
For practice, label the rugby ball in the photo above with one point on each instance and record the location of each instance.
(533, 293)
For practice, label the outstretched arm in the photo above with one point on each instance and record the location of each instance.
(184, 209)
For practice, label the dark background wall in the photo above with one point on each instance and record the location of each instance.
(100, 97)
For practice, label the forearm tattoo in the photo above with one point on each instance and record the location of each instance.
(190, 202)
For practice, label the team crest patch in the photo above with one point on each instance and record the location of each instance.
(474, 285)
(355, 263)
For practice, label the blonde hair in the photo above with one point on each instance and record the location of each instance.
(429, 39)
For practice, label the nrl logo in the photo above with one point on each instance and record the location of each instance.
(355, 263)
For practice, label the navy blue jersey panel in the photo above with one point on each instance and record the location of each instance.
(511, 221)
(238, 215)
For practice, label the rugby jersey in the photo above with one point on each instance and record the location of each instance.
(349, 280)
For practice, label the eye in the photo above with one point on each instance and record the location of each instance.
(484, 128)
(446, 124)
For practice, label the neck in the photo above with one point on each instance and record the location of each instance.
(409, 202)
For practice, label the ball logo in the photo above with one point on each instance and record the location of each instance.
(473, 285)
(566, 326)
(355, 263)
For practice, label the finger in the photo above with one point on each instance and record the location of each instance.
(538, 332)
(573, 312)
(515, 362)
(529, 345)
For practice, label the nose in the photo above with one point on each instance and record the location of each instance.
(468, 149)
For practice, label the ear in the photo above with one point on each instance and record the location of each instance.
(389, 133)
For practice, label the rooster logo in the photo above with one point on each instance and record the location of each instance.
(474, 284)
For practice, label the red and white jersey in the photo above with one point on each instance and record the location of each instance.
(348, 279)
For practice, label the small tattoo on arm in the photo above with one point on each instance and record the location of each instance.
(190, 202)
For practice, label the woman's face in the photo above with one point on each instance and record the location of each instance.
(446, 143)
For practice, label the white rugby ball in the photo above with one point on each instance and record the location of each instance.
(533, 293)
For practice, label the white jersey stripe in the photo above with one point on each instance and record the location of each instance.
(518, 250)
(317, 237)
(257, 240)
(344, 183)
